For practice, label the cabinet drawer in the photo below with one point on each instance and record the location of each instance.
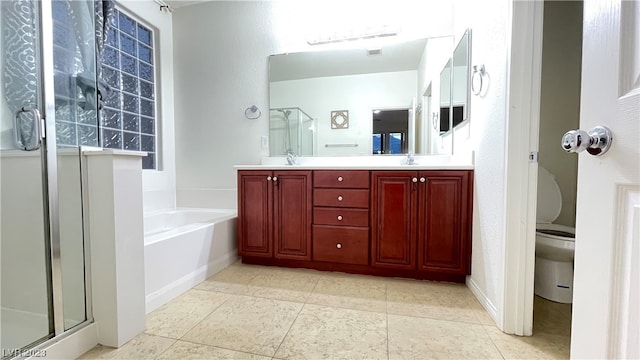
(341, 244)
(340, 217)
(341, 198)
(341, 179)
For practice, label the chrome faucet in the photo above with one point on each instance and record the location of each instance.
(291, 159)
(409, 160)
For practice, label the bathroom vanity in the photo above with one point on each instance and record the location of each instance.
(406, 221)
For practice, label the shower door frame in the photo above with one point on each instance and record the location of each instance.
(51, 195)
(51, 178)
(50, 166)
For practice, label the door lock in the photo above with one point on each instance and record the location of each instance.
(597, 141)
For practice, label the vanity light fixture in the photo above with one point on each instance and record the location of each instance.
(356, 34)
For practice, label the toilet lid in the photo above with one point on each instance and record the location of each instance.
(549, 197)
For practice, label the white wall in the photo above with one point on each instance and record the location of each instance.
(221, 68)
(560, 97)
(485, 135)
(159, 186)
(359, 94)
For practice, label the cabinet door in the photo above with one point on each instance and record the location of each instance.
(393, 219)
(255, 220)
(443, 226)
(292, 211)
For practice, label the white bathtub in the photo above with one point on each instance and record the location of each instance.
(182, 247)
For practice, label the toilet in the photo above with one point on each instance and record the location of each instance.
(555, 244)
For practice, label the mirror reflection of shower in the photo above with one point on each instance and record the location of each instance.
(291, 131)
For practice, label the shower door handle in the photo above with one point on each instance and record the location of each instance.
(28, 132)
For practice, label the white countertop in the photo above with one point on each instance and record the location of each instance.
(373, 162)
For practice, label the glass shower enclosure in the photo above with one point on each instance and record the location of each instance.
(49, 101)
(291, 130)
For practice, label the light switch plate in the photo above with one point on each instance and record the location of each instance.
(264, 142)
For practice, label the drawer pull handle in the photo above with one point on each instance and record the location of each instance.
(339, 245)
(339, 217)
(340, 178)
(339, 197)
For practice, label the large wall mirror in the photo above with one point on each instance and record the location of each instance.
(358, 101)
(454, 87)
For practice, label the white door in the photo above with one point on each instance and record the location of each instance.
(606, 318)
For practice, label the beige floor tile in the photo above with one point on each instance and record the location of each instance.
(175, 318)
(233, 279)
(444, 301)
(322, 332)
(249, 324)
(289, 285)
(551, 318)
(141, 347)
(189, 351)
(538, 346)
(421, 338)
(484, 318)
(351, 292)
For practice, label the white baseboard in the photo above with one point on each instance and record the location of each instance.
(483, 299)
(178, 287)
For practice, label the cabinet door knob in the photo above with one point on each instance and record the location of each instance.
(422, 179)
(275, 178)
(340, 178)
(339, 217)
(339, 197)
(339, 245)
(414, 179)
(268, 178)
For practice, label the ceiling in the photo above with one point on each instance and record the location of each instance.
(394, 57)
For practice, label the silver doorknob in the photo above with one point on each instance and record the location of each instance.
(340, 178)
(414, 179)
(339, 246)
(597, 141)
(339, 197)
(422, 179)
(339, 217)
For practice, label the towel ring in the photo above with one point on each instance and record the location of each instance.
(252, 110)
(477, 79)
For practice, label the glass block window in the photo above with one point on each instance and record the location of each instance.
(76, 122)
(128, 117)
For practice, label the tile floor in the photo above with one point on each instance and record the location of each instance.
(257, 312)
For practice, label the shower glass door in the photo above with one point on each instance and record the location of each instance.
(48, 71)
(26, 301)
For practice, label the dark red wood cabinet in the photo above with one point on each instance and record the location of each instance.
(444, 221)
(274, 214)
(421, 220)
(393, 222)
(380, 222)
(341, 216)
